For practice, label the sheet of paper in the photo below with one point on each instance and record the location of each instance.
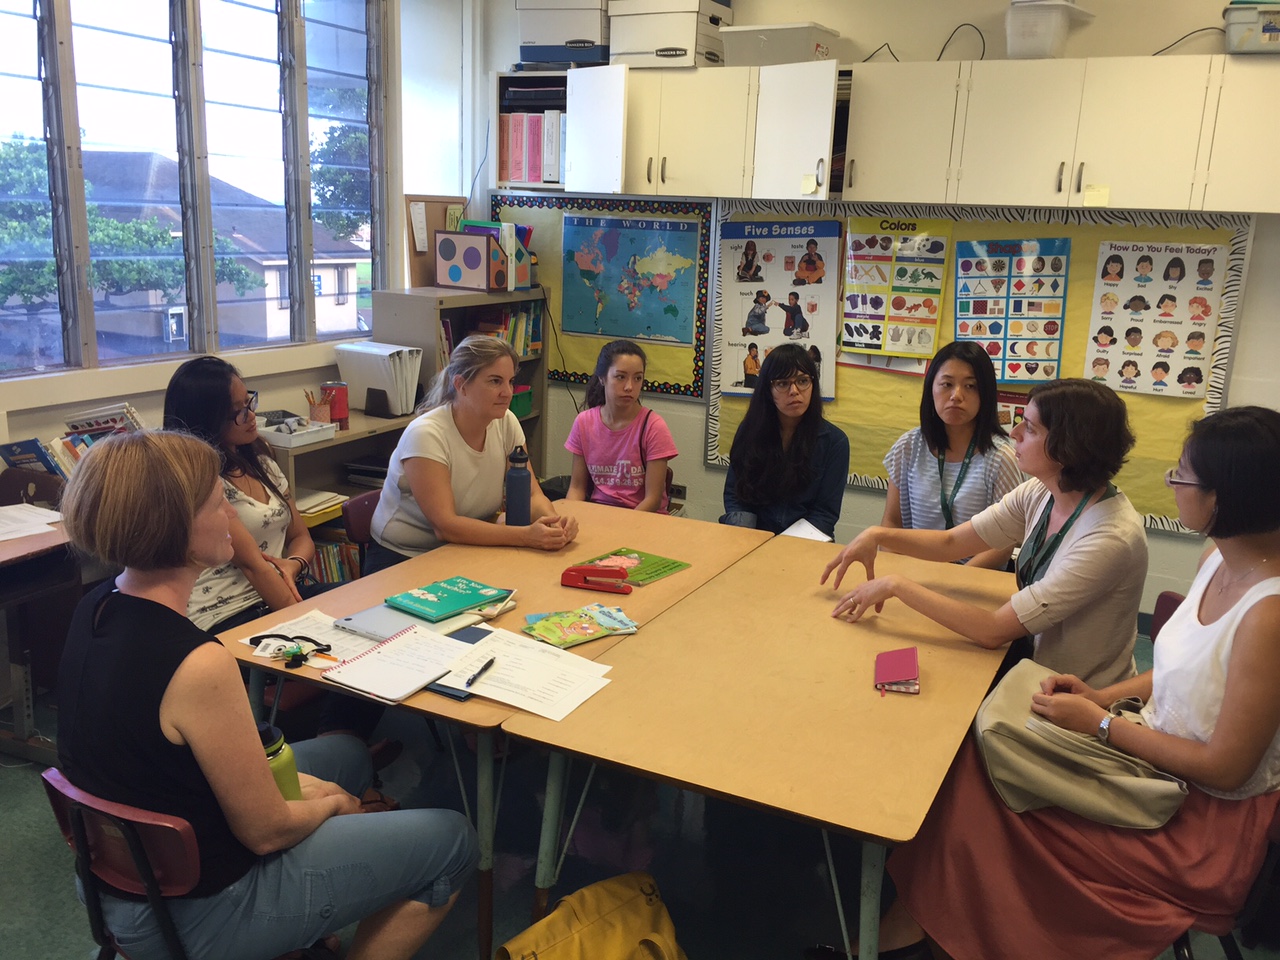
(23, 519)
(806, 531)
(418, 219)
(527, 674)
(319, 627)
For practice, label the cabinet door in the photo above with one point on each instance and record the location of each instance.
(1134, 161)
(795, 113)
(596, 112)
(1245, 139)
(901, 116)
(707, 115)
(1020, 132)
(644, 109)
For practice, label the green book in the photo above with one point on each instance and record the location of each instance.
(641, 567)
(447, 598)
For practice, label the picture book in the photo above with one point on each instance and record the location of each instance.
(641, 567)
(568, 628)
(440, 600)
(30, 454)
(399, 667)
(898, 671)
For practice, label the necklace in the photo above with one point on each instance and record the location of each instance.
(1231, 583)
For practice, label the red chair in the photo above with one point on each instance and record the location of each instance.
(133, 850)
(357, 516)
(1166, 603)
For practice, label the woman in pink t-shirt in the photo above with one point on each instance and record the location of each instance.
(620, 449)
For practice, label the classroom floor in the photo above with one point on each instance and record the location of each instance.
(739, 884)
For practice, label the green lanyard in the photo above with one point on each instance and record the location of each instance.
(1036, 555)
(949, 503)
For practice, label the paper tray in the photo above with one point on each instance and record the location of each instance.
(314, 433)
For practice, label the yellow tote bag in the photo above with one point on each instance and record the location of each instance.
(622, 918)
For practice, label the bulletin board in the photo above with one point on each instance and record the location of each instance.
(675, 348)
(875, 406)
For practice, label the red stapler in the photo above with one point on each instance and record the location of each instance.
(604, 579)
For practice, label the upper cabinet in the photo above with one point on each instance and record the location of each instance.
(1237, 177)
(664, 132)
(901, 119)
(795, 114)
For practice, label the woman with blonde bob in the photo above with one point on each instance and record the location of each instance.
(152, 713)
(445, 480)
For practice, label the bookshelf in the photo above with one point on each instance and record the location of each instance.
(419, 317)
(530, 106)
(321, 464)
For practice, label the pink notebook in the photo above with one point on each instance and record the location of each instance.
(898, 671)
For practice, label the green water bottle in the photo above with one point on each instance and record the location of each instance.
(280, 759)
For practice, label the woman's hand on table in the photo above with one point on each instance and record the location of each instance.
(858, 601)
(550, 532)
(862, 549)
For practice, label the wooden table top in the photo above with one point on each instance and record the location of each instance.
(25, 548)
(535, 574)
(748, 689)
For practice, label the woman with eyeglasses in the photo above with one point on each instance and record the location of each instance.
(983, 881)
(273, 549)
(787, 463)
(1083, 561)
(959, 460)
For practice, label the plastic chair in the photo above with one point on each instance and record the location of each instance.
(1166, 603)
(130, 849)
(357, 516)
(19, 485)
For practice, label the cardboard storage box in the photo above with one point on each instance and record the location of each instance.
(666, 40)
(756, 46)
(564, 34)
(708, 8)
(1252, 28)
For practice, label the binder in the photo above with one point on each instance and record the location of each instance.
(391, 368)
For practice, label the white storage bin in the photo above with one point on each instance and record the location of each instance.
(1037, 29)
(720, 9)
(1252, 28)
(312, 433)
(665, 40)
(756, 46)
(562, 4)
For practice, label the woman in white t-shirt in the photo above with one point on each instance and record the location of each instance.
(273, 549)
(445, 480)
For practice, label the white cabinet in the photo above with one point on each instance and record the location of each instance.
(1139, 133)
(1245, 139)
(656, 132)
(1019, 132)
(795, 112)
(901, 118)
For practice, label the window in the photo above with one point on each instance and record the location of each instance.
(195, 139)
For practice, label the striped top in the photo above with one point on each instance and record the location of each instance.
(914, 471)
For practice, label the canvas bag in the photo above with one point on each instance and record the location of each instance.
(1033, 763)
(622, 918)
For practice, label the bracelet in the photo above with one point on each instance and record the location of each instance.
(306, 567)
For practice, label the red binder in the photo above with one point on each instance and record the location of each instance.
(898, 671)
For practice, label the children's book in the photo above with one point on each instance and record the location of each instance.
(32, 455)
(898, 671)
(399, 667)
(445, 598)
(642, 568)
(569, 628)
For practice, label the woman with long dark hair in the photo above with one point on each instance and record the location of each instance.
(787, 463)
(959, 460)
(207, 398)
(620, 449)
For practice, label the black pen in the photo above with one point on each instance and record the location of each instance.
(479, 673)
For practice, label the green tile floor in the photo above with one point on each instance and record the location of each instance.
(716, 862)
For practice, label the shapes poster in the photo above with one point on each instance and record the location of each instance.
(777, 290)
(1154, 316)
(1011, 296)
(894, 280)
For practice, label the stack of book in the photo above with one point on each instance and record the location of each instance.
(519, 324)
(530, 147)
(59, 455)
(370, 471)
(336, 562)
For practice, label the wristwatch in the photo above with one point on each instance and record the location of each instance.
(1104, 728)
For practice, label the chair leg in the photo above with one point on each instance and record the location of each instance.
(1182, 947)
(435, 733)
(1230, 949)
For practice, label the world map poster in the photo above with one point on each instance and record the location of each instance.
(631, 276)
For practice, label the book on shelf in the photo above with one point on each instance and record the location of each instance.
(519, 171)
(504, 147)
(533, 148)
(445, 598)
(312, 501)
(564, 143)
(31, 455)
(550, 150)
(106, 419)
(401, 666)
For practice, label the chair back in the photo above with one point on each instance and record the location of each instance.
(1166, 603)
(19, 485)
(114, 834)
(357, 516)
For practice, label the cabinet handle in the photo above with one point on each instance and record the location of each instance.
(822, 170)
(648, 171)
(1062, 168)
(662, 170)
(1080, 177)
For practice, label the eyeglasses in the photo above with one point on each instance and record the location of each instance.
(245, 413)
(801, 383)
(1171, 479)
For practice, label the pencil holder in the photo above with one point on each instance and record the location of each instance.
(318, 413)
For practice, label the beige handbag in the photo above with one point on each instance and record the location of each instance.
(1034, 763)
(622, 918)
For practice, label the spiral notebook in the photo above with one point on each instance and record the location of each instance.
(401, 665)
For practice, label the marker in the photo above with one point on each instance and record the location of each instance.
(479, 673)
(325, 656)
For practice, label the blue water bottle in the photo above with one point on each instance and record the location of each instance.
(518, 489)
